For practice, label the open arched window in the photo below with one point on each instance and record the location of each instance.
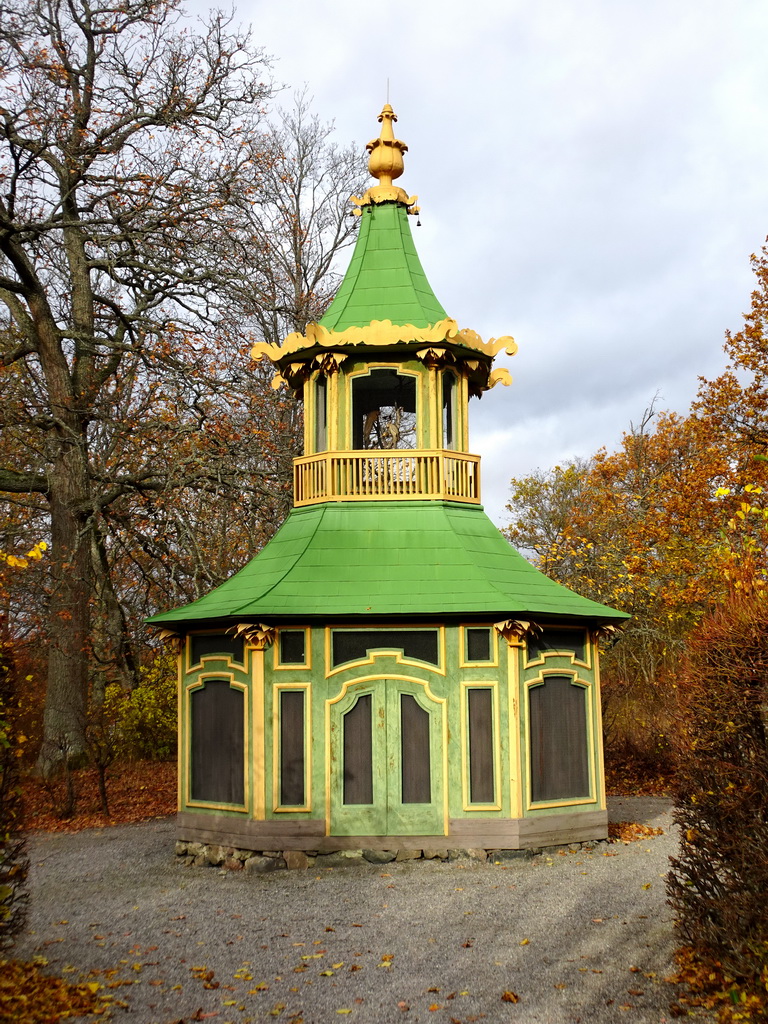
(384, 410)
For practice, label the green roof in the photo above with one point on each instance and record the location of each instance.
(425, 558)
(385, 279)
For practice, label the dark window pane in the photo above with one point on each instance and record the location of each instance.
(291, 747)
(354, 644)
(449, 410)
(216, 643)
(480, 715)
(358, 753)
(218, 743)
(559, 755)
(384, 410)
(478, 644)
(414, 739)
(321, 414)
(292, 643)
(558, 640)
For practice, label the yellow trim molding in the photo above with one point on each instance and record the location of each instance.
(589, 709)
(278, 688)
(381, 333)
(464, 662)
(493, 686)
(386, 652)
(278, 666)
(235, 684)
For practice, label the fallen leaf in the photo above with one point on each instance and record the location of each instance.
(510, 997)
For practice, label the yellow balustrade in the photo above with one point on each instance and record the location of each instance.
(399, 474)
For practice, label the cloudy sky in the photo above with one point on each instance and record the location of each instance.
(593, 177)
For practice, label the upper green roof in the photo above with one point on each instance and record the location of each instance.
(388, 558)
(385, 279)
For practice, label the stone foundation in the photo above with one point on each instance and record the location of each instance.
(229, 858)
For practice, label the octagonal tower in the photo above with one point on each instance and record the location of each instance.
(389, 672)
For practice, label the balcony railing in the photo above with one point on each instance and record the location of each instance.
(399, 475)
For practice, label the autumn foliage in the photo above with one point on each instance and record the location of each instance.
(673, 528)
(719, 881)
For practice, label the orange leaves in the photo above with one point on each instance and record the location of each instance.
(630, 832)
(28, 996)
(139, 791)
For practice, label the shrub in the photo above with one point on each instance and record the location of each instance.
(13, 859)
(718, 884)
(144, 720)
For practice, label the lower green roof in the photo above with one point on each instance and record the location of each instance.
(388, 558)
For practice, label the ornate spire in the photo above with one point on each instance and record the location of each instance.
(386, 160)
(386, 164)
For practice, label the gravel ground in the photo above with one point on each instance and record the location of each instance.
(578, 937)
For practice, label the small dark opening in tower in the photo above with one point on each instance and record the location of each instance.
(384, 410)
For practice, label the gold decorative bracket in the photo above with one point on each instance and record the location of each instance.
(434, 357)
(257, 635)
(608, 632)
(517, 631)
(174, 640)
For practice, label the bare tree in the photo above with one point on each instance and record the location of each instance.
(153, 224)
(126, 154)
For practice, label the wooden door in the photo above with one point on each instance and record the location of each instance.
(386, 774)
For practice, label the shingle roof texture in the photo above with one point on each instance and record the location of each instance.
(388, 558)
(385, 279)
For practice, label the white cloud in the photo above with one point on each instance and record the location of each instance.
(592, 179)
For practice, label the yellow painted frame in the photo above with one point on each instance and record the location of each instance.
(277, 689)
(589, 707)
(180, 743)
(199, 684)
(461, 399)
(277, 666)
(389, 652)
(588, 644)
(258, 764)
(514, 655)
(441, 701)
(463, 662)
(600, 759)
(478, 684)
(235, 666)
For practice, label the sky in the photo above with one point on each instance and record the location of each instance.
(592, 176)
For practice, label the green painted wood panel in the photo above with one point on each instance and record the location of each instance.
(387, 813)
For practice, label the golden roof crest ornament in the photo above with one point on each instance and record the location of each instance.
(386, 163)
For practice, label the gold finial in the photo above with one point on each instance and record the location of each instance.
(386, 160)
(386, 163)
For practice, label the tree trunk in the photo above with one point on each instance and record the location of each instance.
(68, 612)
